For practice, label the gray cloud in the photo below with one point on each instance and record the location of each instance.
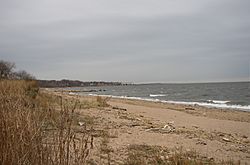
(139, 41)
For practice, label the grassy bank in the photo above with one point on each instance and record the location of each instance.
(37, 128)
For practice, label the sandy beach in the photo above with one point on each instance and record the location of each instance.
(125, 82)
(215, 134)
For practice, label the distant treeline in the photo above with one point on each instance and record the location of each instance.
(7, 71)
(75, 83)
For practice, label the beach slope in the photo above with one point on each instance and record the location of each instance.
(214, 134)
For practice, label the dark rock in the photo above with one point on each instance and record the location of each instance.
(201, 142)
(117, 108)
(189, 108)
(244, 136)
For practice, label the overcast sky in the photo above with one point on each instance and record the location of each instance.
(128, 40)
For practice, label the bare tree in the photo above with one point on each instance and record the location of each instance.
(23, 75)
(6, 69)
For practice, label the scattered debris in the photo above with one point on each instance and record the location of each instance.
(153, 129)
(221, 134)
(201, 142)
(149, 122)
(117, 108)
(226, 139)
(171, 123)
(81, 123)
(134, 124)
(244, 136)
(189, 108)
(138, 119)
(195, 126)
(169, 127)
(166, 129)
(126, 117)
(242, 148)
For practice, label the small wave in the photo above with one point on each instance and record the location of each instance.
(157, 95)
(127, 97)
(72, 93)
(213, 105)
(218, 101)
(204, 104)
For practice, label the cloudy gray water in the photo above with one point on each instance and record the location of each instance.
(221, 95)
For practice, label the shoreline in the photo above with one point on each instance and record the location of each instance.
(217, 134)
(213, 104)
(198, 110)
(201, 104)
(206, 96)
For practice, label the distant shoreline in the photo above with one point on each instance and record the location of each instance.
(76, 83)
(183, 83)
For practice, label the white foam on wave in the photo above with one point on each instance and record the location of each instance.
(221, 104)
(218, 101)
(127, 97)
(212, 105)
(72, 93)
(157, 95)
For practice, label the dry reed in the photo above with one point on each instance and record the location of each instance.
(32, 131)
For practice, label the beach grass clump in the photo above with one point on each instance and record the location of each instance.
(146, 154)
(102, 101)
(36, 128)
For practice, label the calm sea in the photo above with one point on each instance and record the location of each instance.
(222, 95)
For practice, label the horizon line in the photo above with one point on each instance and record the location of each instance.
(143, 83)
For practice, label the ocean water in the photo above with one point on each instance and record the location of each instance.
(221, 95)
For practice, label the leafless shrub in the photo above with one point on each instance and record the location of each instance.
(7, 72)
(23, 75)
(6, 69)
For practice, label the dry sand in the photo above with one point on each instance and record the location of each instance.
(214, 133)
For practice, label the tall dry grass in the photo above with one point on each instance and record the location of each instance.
(33, 131)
